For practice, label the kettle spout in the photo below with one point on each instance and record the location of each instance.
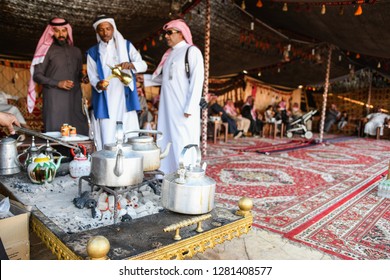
(166, 151)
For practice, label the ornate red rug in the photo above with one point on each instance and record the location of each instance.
(291, 188)
(359, 228)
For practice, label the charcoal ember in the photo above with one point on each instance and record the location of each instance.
(81, 201)
(126, 218)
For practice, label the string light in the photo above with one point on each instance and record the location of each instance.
(340, 57)
(341, 11)
(359, 10)
(379, 65)
(259, 74)
(252, 25)
(243, 6)
(259, 4)
(323, 9)
(285, 7)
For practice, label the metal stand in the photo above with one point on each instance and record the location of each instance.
(149, 178)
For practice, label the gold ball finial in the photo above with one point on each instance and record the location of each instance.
(98, 248)
(245, 204)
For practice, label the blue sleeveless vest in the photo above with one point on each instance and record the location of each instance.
(99, 100)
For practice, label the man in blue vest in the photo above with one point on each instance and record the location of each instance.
(112, 101)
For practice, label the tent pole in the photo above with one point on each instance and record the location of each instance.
(206, 76)
(369, 92)
(325, 95)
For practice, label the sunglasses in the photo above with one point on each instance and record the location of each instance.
(170, 32)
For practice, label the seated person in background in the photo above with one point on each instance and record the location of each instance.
(269, 114)
(249, 113)
(343, 120)
(216, 110)
(279, 115)
(375, 120)
(151, 119)
(332, 115)
(143, 114)
(242, 123)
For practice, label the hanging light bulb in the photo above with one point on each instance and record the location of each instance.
(341, 11)
(350, 66)
(278, 69)
(323, 9)
(153, 42)
(357, 55)
(259, 4)
(340, 57)
(145, 48)
(243, 6)
(313, 51)
(259, 74)
(359, 10)
(252, 25)
(285, 7)
(379, 65)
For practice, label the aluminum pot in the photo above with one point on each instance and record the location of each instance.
(145, 146)
(117, 165)
(8, 156)
(188, 191)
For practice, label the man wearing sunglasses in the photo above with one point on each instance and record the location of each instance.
(179, 111)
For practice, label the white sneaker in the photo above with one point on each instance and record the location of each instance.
(238, 135)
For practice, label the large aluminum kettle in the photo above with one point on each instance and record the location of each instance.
(145, 146)
(8, 156)
(117, 165)
(189, 190)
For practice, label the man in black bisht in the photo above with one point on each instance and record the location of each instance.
(57, 66)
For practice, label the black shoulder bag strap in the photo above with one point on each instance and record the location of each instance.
(203, 103)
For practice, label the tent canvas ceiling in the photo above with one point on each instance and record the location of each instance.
(253, 39)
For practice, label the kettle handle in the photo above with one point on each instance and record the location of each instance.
(198, 157)
(144, 131)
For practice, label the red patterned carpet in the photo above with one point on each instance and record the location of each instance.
(296, 190)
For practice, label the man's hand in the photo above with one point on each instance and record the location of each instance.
(102, 85)
(8, 120)
(187, 115)
(126, 65)
(66, 84)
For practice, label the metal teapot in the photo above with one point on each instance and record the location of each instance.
(116, 72)
(43, 169)
(80, 166)
(145, 146)
(108, 165)
(189, 190)
(8, 156)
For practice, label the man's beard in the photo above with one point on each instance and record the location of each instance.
(61, 42)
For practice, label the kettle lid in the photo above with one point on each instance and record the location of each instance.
(141, 139)
(7, 140)
(114, 147)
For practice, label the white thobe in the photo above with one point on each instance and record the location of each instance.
(104, 130)
(179, 95)
(375, 120)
